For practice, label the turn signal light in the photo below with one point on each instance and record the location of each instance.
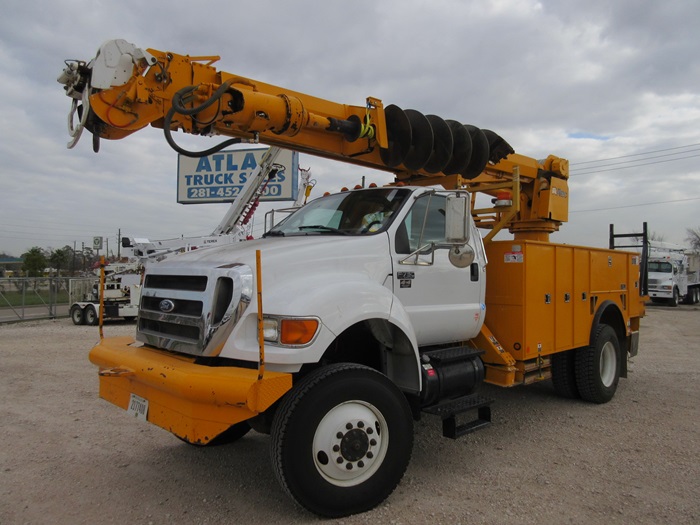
(298, 331)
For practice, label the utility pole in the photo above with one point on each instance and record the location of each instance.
(119, 244)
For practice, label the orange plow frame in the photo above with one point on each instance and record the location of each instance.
(194, 402)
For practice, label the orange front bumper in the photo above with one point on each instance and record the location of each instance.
(194, 402)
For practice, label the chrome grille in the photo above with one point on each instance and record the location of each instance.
(192, 310)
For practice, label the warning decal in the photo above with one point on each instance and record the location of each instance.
(513, 257)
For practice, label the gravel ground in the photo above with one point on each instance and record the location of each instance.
(72, 458)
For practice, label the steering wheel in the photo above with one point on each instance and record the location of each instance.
(369, 227)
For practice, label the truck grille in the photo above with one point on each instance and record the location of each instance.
(192, 311)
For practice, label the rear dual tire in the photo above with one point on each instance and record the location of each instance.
(90, 315)
(591, 373)
(564, 374)
(77, 315)
(597, 366)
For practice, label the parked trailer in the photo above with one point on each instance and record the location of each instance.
(121, 299)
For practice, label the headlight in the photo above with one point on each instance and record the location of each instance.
(290, 331)
(667, 287)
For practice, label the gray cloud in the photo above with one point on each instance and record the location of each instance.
(585, 80)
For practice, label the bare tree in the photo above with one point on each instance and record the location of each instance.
(693, 238)
(653, 236)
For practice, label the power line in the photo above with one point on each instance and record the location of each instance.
(635, 165)
(635, 154)
(638, 160)
(637, 205)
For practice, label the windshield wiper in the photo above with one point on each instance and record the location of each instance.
(273, 233)
(322, 228)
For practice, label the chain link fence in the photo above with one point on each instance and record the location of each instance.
(23, 299)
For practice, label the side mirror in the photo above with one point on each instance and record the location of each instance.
(457, 216)
(457, 219)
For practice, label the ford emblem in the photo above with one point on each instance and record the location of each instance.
(166, 305)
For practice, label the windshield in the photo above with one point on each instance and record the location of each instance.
(357, 212)
(662, 267)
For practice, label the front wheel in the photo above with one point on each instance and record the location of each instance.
(598, 366)
(675, 299)
(342, 439)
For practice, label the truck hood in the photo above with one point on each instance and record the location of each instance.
(282, 257)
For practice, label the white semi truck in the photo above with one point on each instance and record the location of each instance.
(674, 275)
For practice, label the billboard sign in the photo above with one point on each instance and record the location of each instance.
(220, 177)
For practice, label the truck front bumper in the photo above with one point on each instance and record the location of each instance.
(194, 402)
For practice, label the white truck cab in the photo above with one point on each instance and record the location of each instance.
(668, 279)
(379, 262)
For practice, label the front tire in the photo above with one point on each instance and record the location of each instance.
(342, 439)
(598, 366)
(675, 299)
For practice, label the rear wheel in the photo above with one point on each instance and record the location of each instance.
(598, 366)
(76, 315)
(342, 439)
(90, 315)
(693, 295)
(564, 374)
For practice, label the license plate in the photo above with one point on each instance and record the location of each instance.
(138, 407)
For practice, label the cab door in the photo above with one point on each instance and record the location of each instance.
(444, 303)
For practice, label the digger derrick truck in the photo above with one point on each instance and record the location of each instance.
(376, 307)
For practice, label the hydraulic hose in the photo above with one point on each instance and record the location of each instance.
(182, 97)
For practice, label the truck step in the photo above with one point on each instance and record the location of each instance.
(450, 409)
(455, 353)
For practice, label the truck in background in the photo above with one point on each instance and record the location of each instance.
(122, 293)
(674, 274)
(376, 306)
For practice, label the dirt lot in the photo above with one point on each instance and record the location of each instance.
(70, 458)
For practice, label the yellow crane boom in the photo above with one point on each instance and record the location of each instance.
(125, 88)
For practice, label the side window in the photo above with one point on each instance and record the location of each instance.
(425, 223)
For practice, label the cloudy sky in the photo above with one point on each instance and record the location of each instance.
(614, 86)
